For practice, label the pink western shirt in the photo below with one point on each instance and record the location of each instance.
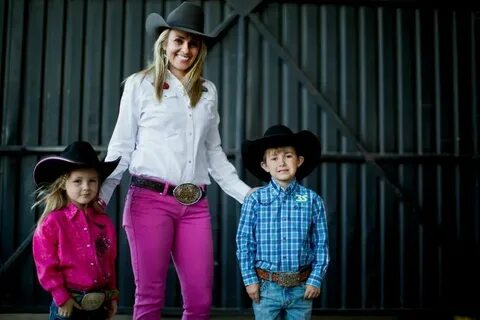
(75, 249)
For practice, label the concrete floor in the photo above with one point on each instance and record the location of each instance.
(25, 316)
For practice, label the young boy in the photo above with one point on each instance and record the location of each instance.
(282, 238)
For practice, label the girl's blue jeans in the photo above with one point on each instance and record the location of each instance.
(277, 302)
(100, 314)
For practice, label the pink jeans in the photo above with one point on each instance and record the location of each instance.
(158, 227)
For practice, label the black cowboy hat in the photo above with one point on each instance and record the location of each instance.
(79, 154)
(305, 143)
(187, 17)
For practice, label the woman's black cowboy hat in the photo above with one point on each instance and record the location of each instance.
(305, 142)
(187, 17)
(79, 154)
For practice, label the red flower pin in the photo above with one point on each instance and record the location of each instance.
(165, 85)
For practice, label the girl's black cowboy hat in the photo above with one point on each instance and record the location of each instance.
(187, 17)
(79, 154)
(305, 142)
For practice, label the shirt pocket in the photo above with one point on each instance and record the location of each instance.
(165, 117)
(301, 221)
(208, 103)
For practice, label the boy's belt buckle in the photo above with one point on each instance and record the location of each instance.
(288, 279)
(187, 193)
(92, 301)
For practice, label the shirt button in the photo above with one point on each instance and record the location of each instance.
(91, 263)
(88, 245)
(95, 281)
(85, 229)
(190, 133)
(189, 161)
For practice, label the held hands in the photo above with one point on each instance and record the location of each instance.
(99, 205)
(311, 292)
(252, 190)
(65, 310)
(253, 291)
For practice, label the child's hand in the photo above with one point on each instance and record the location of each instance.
(112, 309)
(65, 310)
(311, 292)
(253, 291)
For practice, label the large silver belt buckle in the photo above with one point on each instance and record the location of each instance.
(288, 279)
(92, 301)
(187, 193)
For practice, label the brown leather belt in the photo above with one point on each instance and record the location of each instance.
(185, 193)
(285, 279)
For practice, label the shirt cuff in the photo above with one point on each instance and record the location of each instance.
(250, 278)
(314, 282)
(60, 295)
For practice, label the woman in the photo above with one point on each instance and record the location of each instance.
(167, 135)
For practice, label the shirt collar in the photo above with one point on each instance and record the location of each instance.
(288, 190)
(170, 79)
(71, 210)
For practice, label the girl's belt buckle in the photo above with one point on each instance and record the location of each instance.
(92, 301)
(187, 193)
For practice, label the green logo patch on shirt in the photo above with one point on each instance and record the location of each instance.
(301, 197)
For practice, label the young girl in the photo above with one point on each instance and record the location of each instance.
(74, 246)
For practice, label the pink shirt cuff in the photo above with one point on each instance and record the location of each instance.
(60, 295)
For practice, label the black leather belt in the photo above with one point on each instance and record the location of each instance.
(186, 193)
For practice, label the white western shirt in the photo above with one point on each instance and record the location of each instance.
(170, 140)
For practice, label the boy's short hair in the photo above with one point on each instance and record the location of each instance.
(276, 148)
(306, 144)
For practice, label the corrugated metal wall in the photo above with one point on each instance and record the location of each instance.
(391, 88)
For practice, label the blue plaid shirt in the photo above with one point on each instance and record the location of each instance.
(282, 231)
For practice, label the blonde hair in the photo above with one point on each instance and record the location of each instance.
(52, 197)
(192, 80)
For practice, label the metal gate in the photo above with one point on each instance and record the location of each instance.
(391, 88)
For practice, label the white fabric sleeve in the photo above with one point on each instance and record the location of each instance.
(221, 170)
(122, 142)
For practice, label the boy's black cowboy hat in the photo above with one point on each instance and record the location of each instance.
(79, 154)
(188, 17)
(305, 142)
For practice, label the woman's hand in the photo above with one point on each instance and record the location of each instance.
(99, 205)
(252, 190)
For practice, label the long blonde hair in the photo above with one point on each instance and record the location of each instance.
(52, 197)
(192, 80)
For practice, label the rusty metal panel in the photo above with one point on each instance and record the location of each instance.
(390, 87)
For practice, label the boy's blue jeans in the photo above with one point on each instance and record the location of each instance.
(277, 302)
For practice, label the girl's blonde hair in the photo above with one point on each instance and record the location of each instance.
(192, 80)
(51, 197)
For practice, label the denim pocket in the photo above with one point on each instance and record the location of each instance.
(264, 285)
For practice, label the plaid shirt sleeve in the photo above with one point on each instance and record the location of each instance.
(246, 242)
(319, 244)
